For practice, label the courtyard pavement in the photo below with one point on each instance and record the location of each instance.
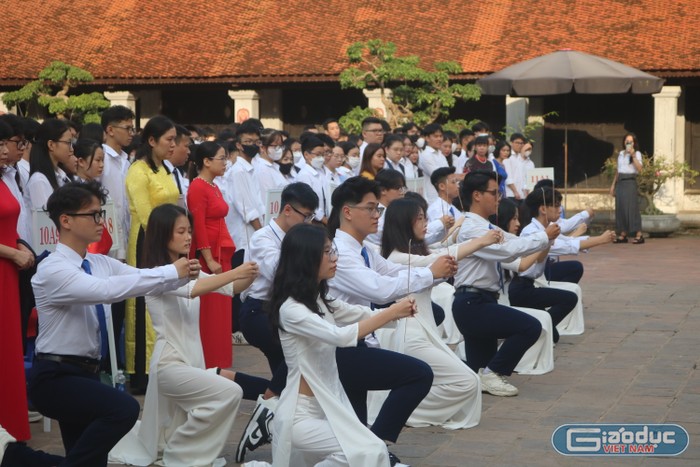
(636, 363)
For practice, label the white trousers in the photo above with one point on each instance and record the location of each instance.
(206, 406)
(312, 436)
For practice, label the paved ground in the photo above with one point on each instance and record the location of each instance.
(636, 363)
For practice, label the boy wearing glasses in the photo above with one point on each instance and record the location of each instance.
(70, 287)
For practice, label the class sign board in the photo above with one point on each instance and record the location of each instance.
(45, 233)
(535, 175)
(273, 202)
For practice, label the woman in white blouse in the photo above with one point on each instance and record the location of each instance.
(454, 400)
(52, 149)
(624, 188)
(188, 410)
(314, 423)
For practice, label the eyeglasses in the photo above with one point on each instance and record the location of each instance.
(70, 142)
(251, 143)
(332, 253)
(318, 154)
(97, 216)
(371, 209)
(493, 192)
(307, 217)
(401, 189)
(129, 129)
(21, 144)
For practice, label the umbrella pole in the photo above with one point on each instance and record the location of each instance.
(566, 165)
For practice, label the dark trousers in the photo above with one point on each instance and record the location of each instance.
(257, 330)
(236, 260)
(438, 313)
(20, 455)
(482, 321)
(362, 369)
(118, 313)
(558, 303)
(93, 416)
(564, 271)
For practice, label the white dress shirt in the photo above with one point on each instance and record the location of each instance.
(563, 245)
(181, 182)
(440, 207)
(430, 159)
(382, 282)
(567, 225)
(375, 239)
(40, 188)
(480, 269)
(265, 246)
(316, 179)
(114, 180)
(410, 169)
(268, 176)
(513, 167)
(24, 221)
(398, 166)
(624, 166)
(240, 190)
(66, 297)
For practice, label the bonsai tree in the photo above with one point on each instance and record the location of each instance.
(419, 95)
(656, 171)
(51, 90)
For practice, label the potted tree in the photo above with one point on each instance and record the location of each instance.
(656, 171)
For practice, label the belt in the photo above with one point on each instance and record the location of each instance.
(467, 288)
(91, 365)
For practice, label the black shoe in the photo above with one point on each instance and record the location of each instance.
(395, 461)
(257, 432)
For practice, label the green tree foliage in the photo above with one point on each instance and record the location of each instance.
(51, 90)
(419, 95)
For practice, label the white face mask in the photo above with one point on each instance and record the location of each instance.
(481, 134)
(317, 162)
(420, 142)
(298, 155)
(275, 154)
(527, 153)
(354, 161)
(491, 148)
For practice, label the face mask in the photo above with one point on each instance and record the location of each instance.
(297, 156)
(317, 162)
(420, 142)
(275, 154)
(481, 134)
(286, 169)
(250, 150)
(491, 148)
(527, 153)
(354, 161)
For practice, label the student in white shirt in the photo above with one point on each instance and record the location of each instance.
(53, 146)
(178, 162)
(479, 279)
(392, 186)
(240, 188)
(267, 173)
(410, 169)
(68, 286)
(314, 175)
(446, 184)
(393, 151)
(352, 159)
(13, 174)
(431, 158)
(372, 133)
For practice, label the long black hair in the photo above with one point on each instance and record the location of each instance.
(39, 159)
(297, 272)
(159, 231)
(507, 209)
(155, 128)
(398, 228)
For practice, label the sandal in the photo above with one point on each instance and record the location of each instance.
(621, 239)
(637, 240)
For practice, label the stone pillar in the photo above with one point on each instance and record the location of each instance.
(669, 143)
(4, 109)
(271, 108)
(535, 110)
(374, 102)
(124, 98)
(516, 114)
(246, 104)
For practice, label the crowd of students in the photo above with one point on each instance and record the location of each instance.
(339, 288)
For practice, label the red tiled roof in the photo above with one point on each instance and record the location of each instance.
(300, 40)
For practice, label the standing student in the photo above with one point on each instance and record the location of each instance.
(478, 282)
(394, 150)
(14, 256)
(148, 184)
(315, 423)
(178, 162)
(431, 158)
(454, 400)
(480, 159)
(392, 186)
(372, 161)
(267, 173)
(213, 245)
(69, 286)
(189, 410)
(314, 175)
(624, 190)
(53, 146)
(15, 177)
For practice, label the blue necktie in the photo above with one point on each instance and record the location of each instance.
(452, 211)
(365, 255)
(498, 267)
(100, 316)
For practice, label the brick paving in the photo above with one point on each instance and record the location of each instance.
(636, 363)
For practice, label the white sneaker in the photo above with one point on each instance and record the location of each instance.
(496, 385)
(238, 339)
(34, 416)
